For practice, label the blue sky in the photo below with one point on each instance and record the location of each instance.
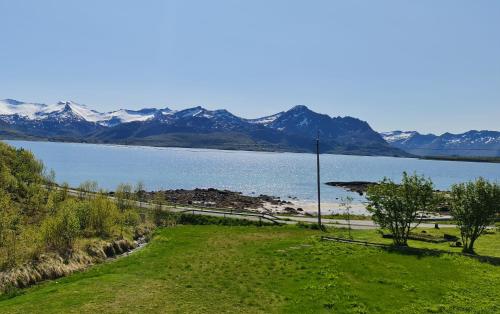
(426, 65)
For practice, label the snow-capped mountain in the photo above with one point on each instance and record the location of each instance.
(12, 110)
(292, 130)
(471, 143)
(199, 117)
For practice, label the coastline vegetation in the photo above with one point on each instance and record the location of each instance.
(46, 232)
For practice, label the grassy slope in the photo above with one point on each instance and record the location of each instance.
(250, 269)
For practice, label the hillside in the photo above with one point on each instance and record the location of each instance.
(293, 130)
(45, 232)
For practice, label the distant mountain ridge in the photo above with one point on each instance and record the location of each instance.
(471, 144)
(292, 130)
(10, 108)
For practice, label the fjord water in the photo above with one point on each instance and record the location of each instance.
(278, 174)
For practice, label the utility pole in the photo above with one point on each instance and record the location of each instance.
(319, 181)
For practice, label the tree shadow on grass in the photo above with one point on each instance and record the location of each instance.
(418, 252)
(422, 252)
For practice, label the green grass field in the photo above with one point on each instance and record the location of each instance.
(215, 269)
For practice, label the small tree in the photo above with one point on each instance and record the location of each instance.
(124, 201)
(10, 227)
(87, 189)
(140, 192)
(14, 228)
(159, 200)
(50, 178)
(63, 192)
(397, 206)
(474, 206)
(346, 204)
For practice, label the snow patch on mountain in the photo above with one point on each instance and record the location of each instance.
(265, 120)
(397, 136)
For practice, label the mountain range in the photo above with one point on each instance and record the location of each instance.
(472, 143)
(292, 130)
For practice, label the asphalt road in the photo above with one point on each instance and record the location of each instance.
(340, 223)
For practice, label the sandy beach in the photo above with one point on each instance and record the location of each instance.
(327, 208)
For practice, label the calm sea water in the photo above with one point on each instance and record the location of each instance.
(278, 174)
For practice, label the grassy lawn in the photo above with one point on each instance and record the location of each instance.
(214, 269)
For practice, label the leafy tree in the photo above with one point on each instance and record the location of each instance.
(397, 206)
(474, 206)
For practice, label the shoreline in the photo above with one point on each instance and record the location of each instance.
(473, 159)
(63, 141)
(311, 208)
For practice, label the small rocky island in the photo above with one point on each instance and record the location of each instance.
(359, 187)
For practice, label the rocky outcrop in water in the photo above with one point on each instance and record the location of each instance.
(359, 187)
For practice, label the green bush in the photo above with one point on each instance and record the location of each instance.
(103, 216)
(60, 232)
(131, 218)
(84, 213)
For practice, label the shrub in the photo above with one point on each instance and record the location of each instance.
(84, 213)
(59, 232)
(103, 216)
(131, 218)
(189, 219)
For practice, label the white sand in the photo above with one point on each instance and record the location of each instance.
(312, 208)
